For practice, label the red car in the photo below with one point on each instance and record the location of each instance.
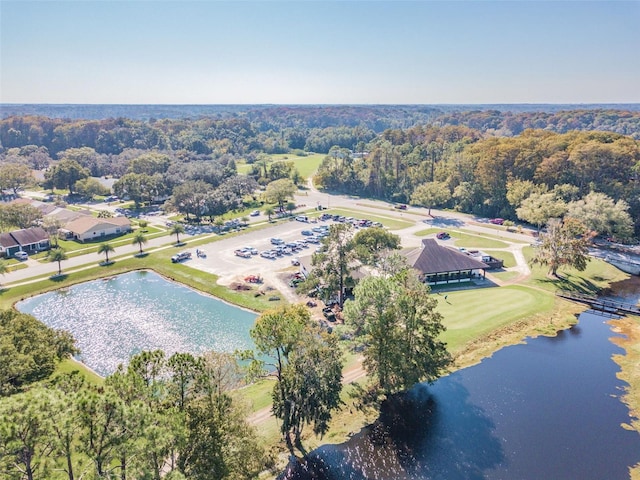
(401, 207)
(442, 236)
(497, 221)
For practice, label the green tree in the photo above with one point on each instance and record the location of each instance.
(563, 244)
(63, 410)
(519, 190)
(396, 321)
(106, 248)
(139, 239)
(308, 369)
(372, 243)
(602, 215)
(538, 208)
(333, 264)
(90, 187)
(29, 350)
(25, 435)
(105, 214)
(268, 212)
(431, 194)
(190, 197)
(65, 174)
(139, 187)
(15, 176)
(58, 255)
(16, 215)
(101, 414)
(279, 191)
(177, 229)
(52, 225)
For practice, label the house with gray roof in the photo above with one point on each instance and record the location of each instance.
(30, 240)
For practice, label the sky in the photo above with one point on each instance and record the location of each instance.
(319, 52)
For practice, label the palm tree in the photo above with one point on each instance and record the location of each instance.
(106, 249)
(176, 230)
(140, 239)
(57, 255)
(269, 211)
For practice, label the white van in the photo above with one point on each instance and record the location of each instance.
(302, 218)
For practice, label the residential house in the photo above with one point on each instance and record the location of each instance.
(91, 228)
(29, 240)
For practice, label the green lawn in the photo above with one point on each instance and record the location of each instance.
(505, 276)
(306, 165)
(70, 366)
(507, 257)
(598, 274)
(475, 241)
(467, 240)
(469, 314)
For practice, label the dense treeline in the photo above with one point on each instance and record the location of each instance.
(482, 175)
(510, 123)
(280, 129)
(466, 160)
(212, 137)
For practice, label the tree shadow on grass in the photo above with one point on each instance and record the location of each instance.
(107, 264)
(572, 283)
(445, 222)
(58, 277)
(141, 255)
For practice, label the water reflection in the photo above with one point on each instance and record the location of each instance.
(546, 409)
(115, 318)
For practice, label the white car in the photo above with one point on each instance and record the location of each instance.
(21, 255)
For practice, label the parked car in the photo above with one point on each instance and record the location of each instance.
(179, 257)
(442, 236)
(21, 255)
(497, 221)
(255, 213)
(277, 241)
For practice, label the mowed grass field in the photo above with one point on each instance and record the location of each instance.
(466, 240)
(306, 165)
(470, 314)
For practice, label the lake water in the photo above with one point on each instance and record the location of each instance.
(115, 318)
(549, 409)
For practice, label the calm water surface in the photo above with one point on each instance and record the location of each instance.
(549, 409)
(115, 318)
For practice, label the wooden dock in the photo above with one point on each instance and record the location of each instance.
(611, 307)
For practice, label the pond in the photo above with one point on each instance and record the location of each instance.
(117, 317)
(549, 408)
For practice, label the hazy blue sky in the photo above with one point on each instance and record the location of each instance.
(319, 51)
